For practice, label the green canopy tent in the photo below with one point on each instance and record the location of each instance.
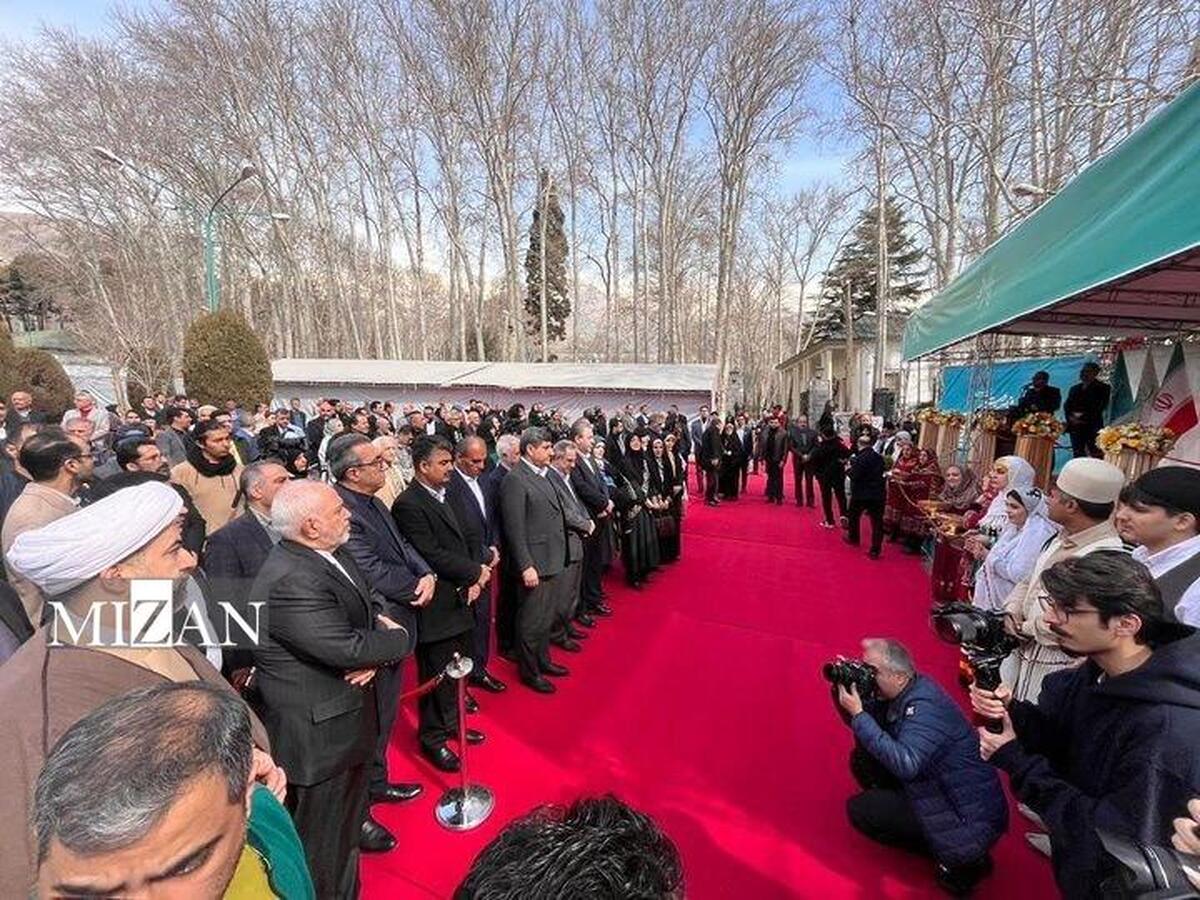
(1115, 253)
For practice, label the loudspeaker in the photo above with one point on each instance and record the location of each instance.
(883, 403)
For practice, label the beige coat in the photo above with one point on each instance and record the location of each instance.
(37, 505)
(213, 496)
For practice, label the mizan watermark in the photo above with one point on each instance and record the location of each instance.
(149, 619)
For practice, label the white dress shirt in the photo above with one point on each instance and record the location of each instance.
(337, 565)
(1187, 610)
(541, 473)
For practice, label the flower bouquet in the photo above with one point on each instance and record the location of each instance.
(1036, 435)
(1135, 448)
(1038, 424)
(990, 421)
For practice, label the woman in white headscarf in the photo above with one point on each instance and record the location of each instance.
(984, 522)
(1011, 559)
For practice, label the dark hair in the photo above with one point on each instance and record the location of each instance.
(201, 429)
(596, 848)
(171, 413)
(13, 435)
(828, 432)
(533, 435)
(129, 450)
(44, 454)
(1092, 366)
(116, 772)
(341, 456)
(1113, 582)
(1042, 374)
(1097, 512)
(464, 445)
(404, 429)
(426, 444)
(1133, 495)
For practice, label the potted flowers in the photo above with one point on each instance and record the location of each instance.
(1135, 448)
(1036, 435)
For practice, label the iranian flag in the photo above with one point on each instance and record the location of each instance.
(1173, 405)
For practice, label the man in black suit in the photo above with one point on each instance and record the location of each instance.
(711, 450)
(1039, 396)
(20, 411)
(1087, 402)
(867, 494)
(508, 449)
(324, 642)
(696, 431)
(535, 543)
(579, 528)
(398, 578)
(446, 621)
(774, 451)
(466, 497)
(589, 487)
(802, 439)
(314, 431)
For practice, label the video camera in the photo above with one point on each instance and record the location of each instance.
(982, 636)
(1145, 872)
(852, 673)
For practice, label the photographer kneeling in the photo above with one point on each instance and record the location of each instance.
(1111, 743)
(925, 788)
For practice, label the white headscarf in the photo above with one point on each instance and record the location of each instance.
(76, 548)
(1021, 476)
(1012, 558)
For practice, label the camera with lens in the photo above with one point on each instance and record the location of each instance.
(982, 636)
(1136, 871)
(851, 673)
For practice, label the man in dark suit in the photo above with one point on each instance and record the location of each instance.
(801, 440)
(774, 451)
(710, 452)
(579, 528)
(466, 497)
(398, 578)
(446, 621)
(867, 494)
(535, 543)
(1087, 402)
(696, 431)
(508, 451)
(748, 439)
(1039, 396)
(314, 431)
(324, 642)
(20, 411)
(589, 487)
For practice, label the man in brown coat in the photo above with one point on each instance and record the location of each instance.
(59, 466)
(211, 473)
(86, 564)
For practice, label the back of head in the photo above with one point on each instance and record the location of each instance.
(596, 849)
(43, 454)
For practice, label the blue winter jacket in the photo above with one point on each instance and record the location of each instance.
(928, 744)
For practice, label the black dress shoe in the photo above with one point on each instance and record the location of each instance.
(474, 738)
(601, 610)
(374, 838)
(555, 669)
(509, 654)
(585, 620)
(567, 644)
(575, 634)
(539, 684)
(488, 682)
(471, 704)
(397, 792)
(442, 758)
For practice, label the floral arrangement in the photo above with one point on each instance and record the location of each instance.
(937, 417)
(1038, 424)
(1135, 436)
(990, 421)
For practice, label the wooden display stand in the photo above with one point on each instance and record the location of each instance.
(947, 444)
(927, 437)
(983, 452)
(1038, 452)
(1134, 463)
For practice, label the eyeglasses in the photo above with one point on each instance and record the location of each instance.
(379, 463)
(1049, 604)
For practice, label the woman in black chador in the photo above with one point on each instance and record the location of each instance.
(639, 539)
(733, 454)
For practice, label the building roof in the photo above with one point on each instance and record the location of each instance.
(442, 373)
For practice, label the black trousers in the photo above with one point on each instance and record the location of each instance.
(591, 583)
(700, 476)
(829, 490)
(481, 644)
(387, 693)
(803, 477)
(506, 607)
(567, 600)
(746, 473)
(774, 480)
(710, 485)
(882, 811)
(328, 817)
(437, 711)
(536, 611)
(874, 511)
(1083, 442)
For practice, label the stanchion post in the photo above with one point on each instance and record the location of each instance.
(468, 805)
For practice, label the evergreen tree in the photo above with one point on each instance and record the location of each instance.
(558, 303)
(10, 378)
(43, 376)
(855, 266)
(223, 359)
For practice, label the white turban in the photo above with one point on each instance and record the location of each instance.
(78, 547)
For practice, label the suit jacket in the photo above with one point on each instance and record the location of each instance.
(476, 524)
(535, 529)
(589, 486)
(802, 439)
(442, 542)
(747, 437)
(37, 505)
(1090, 401)
(490, 481)
(173, 445)
(866, 476)
(696, 430)
(1048, 399)
(711, 445)
(235, 554)
(579, 523)
(319, 625)
(298, 418)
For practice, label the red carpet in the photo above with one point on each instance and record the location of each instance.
(701, 703)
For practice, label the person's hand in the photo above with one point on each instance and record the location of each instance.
(849, 700)
(389, 624)
(485, 575)
(989, 743)
(473, 593)
(1186, 839)
(529, 577)
(608, 509)
(424, 591)
(359, 677)
(1010, 625)
(978, 550)
(265, 772)
(990, 704)
(495, 557)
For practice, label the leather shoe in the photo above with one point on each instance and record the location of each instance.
(396, 792)
(474, 737)
(555, 669)
(585, 620)
(539, 684)
(567, 644)
(374, 838)
(442, 758)
(488, 682)
(575, 634)
(601, 610)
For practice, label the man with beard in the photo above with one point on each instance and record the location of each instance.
(210, 474)
(774, 453)
(86, 563)
(316, 666)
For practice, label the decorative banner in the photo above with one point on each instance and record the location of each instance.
(1173, 405)
(1135, 366)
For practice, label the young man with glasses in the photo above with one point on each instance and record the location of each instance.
(1109, 744)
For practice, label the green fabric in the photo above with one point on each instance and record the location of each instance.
(1131, 208)
(271, 832)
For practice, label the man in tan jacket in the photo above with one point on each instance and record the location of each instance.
(59, 466)
(211, 473)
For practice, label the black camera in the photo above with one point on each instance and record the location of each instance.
(851, 673)
(982, 636)
(1145, 872)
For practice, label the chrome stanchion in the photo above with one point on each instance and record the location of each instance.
(468, 805)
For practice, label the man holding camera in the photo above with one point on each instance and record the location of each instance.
(1109, 744)
(917, 759)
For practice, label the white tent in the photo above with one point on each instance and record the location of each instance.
(571, 387)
